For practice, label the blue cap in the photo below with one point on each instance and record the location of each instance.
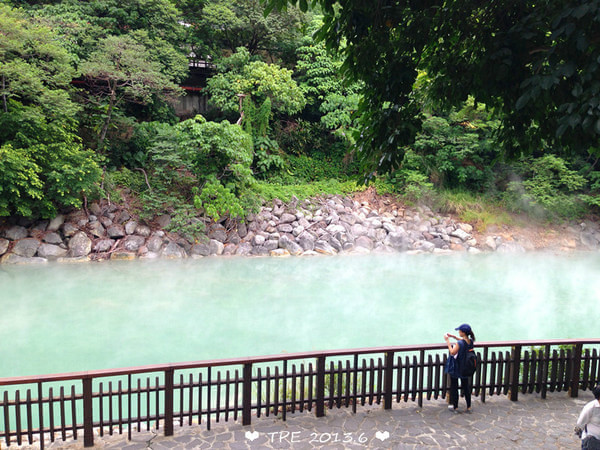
(465, 328)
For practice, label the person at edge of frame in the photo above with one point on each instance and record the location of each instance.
(588, 423)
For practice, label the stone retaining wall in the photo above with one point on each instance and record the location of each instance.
(327, 226)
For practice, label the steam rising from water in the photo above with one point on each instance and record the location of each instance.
(60, 318)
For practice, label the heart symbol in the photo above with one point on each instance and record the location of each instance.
(251, 435)
(382, 435)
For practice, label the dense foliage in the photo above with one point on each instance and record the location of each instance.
(238, 74)
(436, 101)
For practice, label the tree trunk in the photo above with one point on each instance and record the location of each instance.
(4, 94)
(109, 110)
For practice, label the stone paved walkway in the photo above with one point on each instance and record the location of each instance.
(530, 423)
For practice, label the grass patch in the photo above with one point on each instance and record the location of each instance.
(478, 209)
(268, 191)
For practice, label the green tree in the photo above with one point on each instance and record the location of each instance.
(43, 166)
(238, 74)
(125, 68)
(34, 68)
(330, 98)
(536, 63)
(242, 23)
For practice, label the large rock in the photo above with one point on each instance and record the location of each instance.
(97, 229)
(11, 258)
(271, 244)
(56, 223)
(80, 245)
(218, 235)
(260, 251)
(105, 221)
(51, 251)
(589, 239)
(389, 227)
(229, 249)
(461, 234)
(287, 218)
(154, 243)
(123, 256)
(96, 209)
(142, 230)
(335, 228)
(303, 222)
(172, 251)
(244, 249)
(377, 234)
(26, 247)
(69, 229)
(424, 246)
(242, 230)
(200, 249)
(116, 231)
(103, 245)
(123, 217)
(16, 232)
(490, 242)
(285, 228)
(133, 243)
(52, 237)
(364, 242)
(288, 244)
(467, 228)
(74, 260)
(398, 241)
(3, 246)
(216, 247)
(350, 219)
(324, 248)
(439, 243)
(359, 230)
(130, 226)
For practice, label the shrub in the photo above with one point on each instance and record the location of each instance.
(41, 180)
(217, 201)
(199, 167)
(455, 155)
(20, 185)
(549, 189)
(216, 149)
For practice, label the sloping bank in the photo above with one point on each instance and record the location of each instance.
(327, 226)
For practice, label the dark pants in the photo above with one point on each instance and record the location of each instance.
(465, 389)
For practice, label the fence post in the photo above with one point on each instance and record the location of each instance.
(515, 368)
(576, 369)
(320, 410)
(421, 376)
(247, 394)
(88, 415)
(388, 376)
(41, 414)
(169, 402)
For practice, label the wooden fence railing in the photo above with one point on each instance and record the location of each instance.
(204, 392)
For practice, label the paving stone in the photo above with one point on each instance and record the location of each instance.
(498, 423)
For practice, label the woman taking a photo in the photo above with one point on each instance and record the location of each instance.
(458, 350)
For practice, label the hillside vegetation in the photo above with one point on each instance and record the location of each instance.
(311, 98)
